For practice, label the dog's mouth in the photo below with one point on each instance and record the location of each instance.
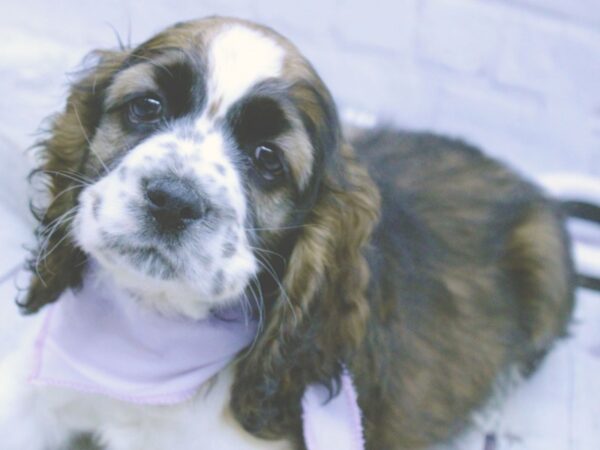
(149, 259)
(144, 254)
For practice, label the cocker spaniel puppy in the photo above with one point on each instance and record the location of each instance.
(205, 173)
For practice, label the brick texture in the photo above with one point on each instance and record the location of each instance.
(519, 78)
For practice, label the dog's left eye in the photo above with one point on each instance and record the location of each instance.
(145, 109)
(268, 161)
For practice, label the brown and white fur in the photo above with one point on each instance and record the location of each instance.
(427, 269)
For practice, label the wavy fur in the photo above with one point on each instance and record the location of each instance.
(319, 319)
(57, 263)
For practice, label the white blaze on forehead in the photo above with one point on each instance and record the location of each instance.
(239, 57)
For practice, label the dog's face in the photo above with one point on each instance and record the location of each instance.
(205, 151)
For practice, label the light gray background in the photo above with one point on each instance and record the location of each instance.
(519, 78)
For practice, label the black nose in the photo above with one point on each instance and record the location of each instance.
(174, 203)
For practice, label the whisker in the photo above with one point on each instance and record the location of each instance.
(292, 227)
(61, 240)
(271, 271)
(73, 176)
(73, 173)
(260, 305)
(69, 189)
(47, 232)
(48, 225)
(259, 300)
(44, 253)
(270, 252)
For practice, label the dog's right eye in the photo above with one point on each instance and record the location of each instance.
(145, 109)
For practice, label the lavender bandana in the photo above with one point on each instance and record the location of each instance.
(100, 340)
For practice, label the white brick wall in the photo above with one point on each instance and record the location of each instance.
(520, 78)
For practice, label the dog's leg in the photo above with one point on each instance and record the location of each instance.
(27, 422)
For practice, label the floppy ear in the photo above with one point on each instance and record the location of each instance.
(56, 263)
(320, 319)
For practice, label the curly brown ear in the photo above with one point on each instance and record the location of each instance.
(320, 319)
(56, 263)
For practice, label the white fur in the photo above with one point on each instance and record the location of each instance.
(239, 57)
(44, 418)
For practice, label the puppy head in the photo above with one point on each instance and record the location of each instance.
(203, 165)
(194, 150)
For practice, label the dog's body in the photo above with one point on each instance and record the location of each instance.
(472, 256)
(429, 285)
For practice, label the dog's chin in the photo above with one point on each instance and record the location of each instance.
(174, 288)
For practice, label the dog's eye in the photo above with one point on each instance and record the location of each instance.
(145, 109)
(268, 161)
